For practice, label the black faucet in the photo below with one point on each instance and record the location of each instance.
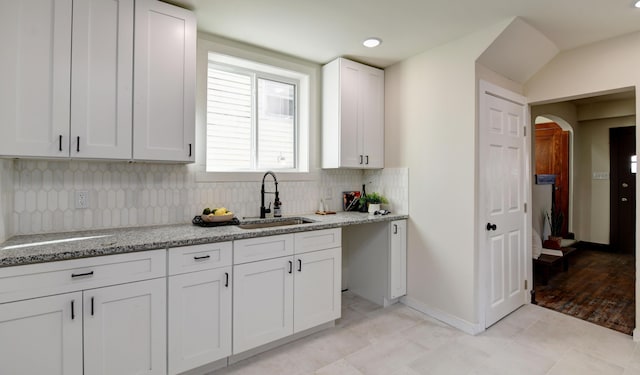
(276, 203)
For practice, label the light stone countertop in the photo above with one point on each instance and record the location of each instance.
(20, 250)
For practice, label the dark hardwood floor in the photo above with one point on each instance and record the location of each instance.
(598, 287)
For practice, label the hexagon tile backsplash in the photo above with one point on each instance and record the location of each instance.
(137, 194)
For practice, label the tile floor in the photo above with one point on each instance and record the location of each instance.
(398, 340)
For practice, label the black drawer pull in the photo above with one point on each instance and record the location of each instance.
(290, 267)
(395, 228)
(226, 281)
(82, 274)
(299, 265)
(202, 257)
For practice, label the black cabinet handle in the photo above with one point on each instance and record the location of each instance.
(367, 160)
(226, 281)
(299, 265)
(202, 257)
(73, 309)
(78, 144)
(360, 159)
(82, 274)
(189, 149)
(60, 142)
(491, 226)
(290, 267)
(91, 306)
(395, 228)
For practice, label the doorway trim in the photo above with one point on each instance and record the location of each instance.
(482, 287)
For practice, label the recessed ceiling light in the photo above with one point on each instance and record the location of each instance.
(373, 42)
(637, 4)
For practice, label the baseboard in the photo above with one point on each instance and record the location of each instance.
(594, 246)
(636, 334)
(452, 320)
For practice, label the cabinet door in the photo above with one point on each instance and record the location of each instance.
(101, 93)
(125, 329)
(350, 116)
(317, 297)
(372, 121)
(35, 60)
(164, 81)
(398, 259)
(42, 336)
(199, 318)
(262, 302)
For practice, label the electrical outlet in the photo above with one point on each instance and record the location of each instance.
(82, 199)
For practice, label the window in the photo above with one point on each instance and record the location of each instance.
(252, 118)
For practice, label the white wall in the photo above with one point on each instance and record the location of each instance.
(430, 127)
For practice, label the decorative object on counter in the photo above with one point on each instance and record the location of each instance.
(350, 200)
(325, 212)
(372, 202)
(216, 215)
(197, 220)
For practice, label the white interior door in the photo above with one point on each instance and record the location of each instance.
(502, 196)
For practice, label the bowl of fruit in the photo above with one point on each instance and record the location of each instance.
(215, 215)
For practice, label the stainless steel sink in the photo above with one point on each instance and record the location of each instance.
(276, 223)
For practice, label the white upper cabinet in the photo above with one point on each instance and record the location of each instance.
(164, 82)
(102, 79)
(67, 73)
(352, 115)
(35, 76)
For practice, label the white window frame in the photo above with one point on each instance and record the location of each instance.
(308, 75)
(255, 76)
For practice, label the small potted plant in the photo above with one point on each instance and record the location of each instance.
(373, 201)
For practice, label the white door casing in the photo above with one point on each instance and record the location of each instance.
(503, 236)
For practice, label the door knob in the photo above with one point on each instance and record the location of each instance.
(491, 226)
(624, 199)
(624, 184)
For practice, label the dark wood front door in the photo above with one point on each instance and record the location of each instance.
(552, 157)
(622, 146)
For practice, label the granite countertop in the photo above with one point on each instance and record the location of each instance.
(20, 250)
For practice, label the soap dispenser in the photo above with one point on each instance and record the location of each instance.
(277, 212)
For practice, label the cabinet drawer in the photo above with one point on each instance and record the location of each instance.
(318, 240)
(199, 257)
(43, 279)
(253, 249)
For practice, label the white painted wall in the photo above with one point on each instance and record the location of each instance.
(600, 67)
(430, 127)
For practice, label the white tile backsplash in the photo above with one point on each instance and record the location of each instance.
(6, 199)
(39, 196)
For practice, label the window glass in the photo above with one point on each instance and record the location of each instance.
(251, 120)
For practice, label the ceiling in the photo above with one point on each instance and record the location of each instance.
(321, 30)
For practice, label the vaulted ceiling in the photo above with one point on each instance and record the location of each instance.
(320, 30)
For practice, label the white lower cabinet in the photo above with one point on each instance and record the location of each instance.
(69, 318)
(398, 259)
(42, 336)
(317, 287)
(125, 329)
(262, 302)
(200, 302)
(199, 318)
(275, 298)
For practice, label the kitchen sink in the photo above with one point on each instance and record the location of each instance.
(277, 223)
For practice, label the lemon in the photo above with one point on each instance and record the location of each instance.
(220, 211)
